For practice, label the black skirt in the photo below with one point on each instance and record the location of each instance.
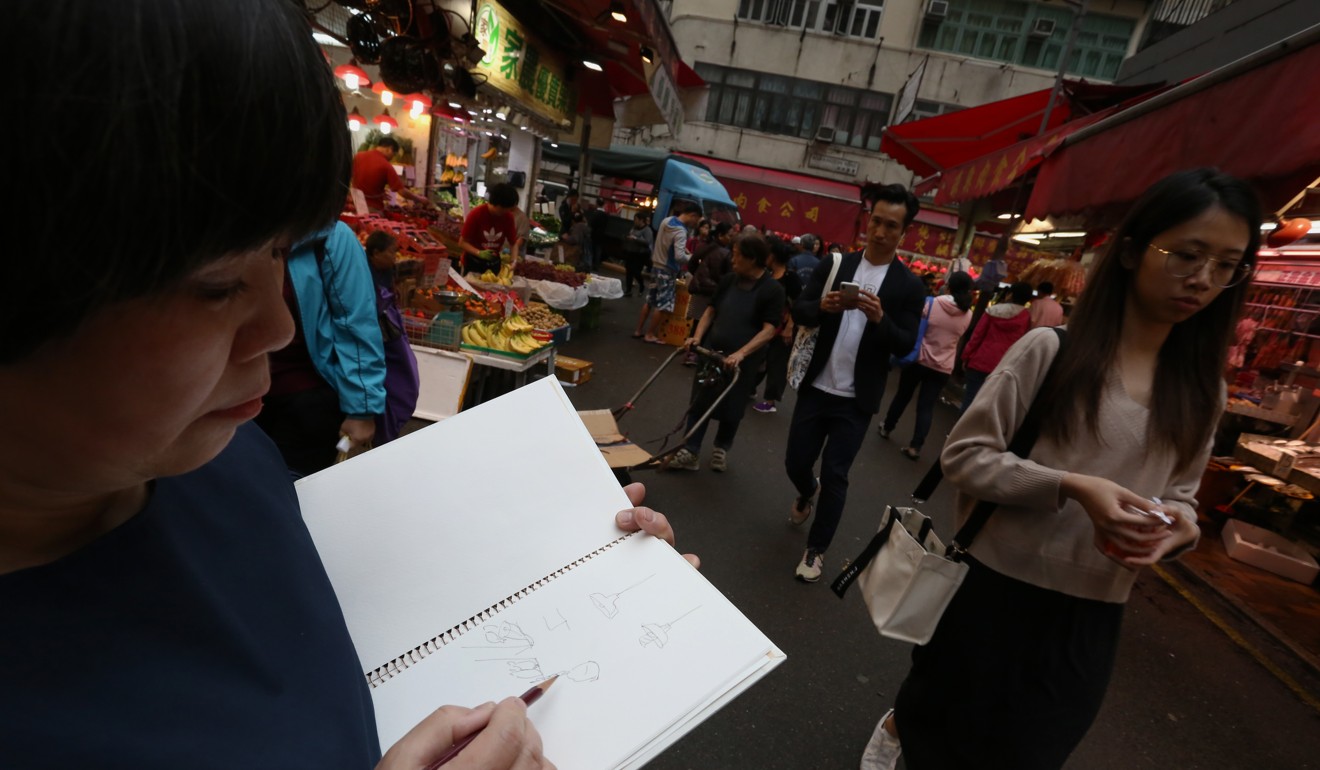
(1013, 677)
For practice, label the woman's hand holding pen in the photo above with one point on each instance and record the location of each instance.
(508, 739)
(647, 520)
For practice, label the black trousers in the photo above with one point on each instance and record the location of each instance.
(775, 372)
(930, 382)
(634, 264)
(1013, 677)
(729, 413)
(305, 427)
(831, 428)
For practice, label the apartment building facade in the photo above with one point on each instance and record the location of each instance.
(810, 85)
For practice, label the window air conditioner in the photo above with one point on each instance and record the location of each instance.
(1042, 28)
(825, 134)
(937, 10)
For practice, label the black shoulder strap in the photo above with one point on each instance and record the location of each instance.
(1021, 445)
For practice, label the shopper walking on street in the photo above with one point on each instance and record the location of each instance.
(708, 266)
(667, 259)
(1045, 310)
(1128, 420)
(775, 373)
(637, 250)
(1000, 326)
(860, 327)
(740, 321)
(947, 319)
(807, 258)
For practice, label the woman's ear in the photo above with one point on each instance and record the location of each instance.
(1127, 255)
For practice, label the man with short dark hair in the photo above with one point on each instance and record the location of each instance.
(597, 221)
(373, 171)
(489, 228)
(860, 326)
(667, 258)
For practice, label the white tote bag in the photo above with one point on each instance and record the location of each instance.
(804, 344)
(905, 578)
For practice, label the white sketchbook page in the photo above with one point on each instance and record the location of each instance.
(640, 640)
(424, 532)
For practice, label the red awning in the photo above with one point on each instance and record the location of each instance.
(1259, 124)
(935, 144)
(997, 170)
(788, 202)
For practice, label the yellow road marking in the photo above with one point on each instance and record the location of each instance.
(1231, 633)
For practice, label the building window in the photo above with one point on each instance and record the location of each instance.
(922, 109)
(850, 18)
(1030, 34)
(788, 106)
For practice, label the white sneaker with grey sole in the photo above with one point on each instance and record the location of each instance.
(883, 750)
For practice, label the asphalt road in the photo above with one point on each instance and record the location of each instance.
(1184, 694)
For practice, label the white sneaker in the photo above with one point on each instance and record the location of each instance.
(684, 460)
(883, 749)
(719, 460)
(808, 571)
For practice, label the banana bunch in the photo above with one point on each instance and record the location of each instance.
(504, 277)
(513, 334)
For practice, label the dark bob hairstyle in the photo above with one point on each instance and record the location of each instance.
(162, 155)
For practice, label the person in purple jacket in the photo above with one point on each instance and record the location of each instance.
(401, 382)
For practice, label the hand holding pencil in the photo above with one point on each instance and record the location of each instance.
(496, 736)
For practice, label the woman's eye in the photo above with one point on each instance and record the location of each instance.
(219, 292)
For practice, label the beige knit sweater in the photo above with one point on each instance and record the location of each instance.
(1029, 536)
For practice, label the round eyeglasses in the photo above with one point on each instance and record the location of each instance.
(1224, 273)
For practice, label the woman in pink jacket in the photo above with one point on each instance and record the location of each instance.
(949, 316)
(1001, 326)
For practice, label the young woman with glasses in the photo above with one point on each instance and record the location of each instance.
(1018, 667)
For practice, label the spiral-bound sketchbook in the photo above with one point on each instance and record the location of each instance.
(479, 556)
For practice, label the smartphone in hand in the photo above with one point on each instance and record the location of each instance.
(850, 289)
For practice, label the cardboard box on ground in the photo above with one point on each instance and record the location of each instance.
(618, 451)
(679, 326)
(1269, 551)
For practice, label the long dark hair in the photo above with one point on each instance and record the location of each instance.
(192, 131)
(1189, 374)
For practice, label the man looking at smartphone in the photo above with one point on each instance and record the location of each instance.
(871, 312)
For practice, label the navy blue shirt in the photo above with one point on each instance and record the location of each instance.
(201, 633)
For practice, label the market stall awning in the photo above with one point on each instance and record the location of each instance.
(944, 141)
(644, 164)
(1257, 122)
(787, 202)
(997, 170)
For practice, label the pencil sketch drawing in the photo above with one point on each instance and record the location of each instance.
(504, 636)
(608, 603)
(658, 633)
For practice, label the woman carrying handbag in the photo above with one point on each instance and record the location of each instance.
(1019, 664)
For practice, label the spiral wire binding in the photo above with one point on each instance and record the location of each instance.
(382, 674)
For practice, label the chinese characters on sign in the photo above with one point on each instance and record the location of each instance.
(518, 65)
(666, 98)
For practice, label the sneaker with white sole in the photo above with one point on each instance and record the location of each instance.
(808, 570)
(766, 407)
(802, 506)
(883, 750)
(684, 460)
(884, 432)
(719, 460)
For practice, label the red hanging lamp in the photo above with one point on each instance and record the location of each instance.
(354, 77)
(385, 93)
(386, 121)
(356, 120)
(418, 104)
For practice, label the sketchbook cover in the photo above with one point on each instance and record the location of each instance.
(422, 537)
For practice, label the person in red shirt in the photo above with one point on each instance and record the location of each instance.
(488, 228)
(373, 172)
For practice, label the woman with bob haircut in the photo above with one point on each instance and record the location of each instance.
(163, 603)
(1020, 662)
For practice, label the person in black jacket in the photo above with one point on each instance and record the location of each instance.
(846, 377)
